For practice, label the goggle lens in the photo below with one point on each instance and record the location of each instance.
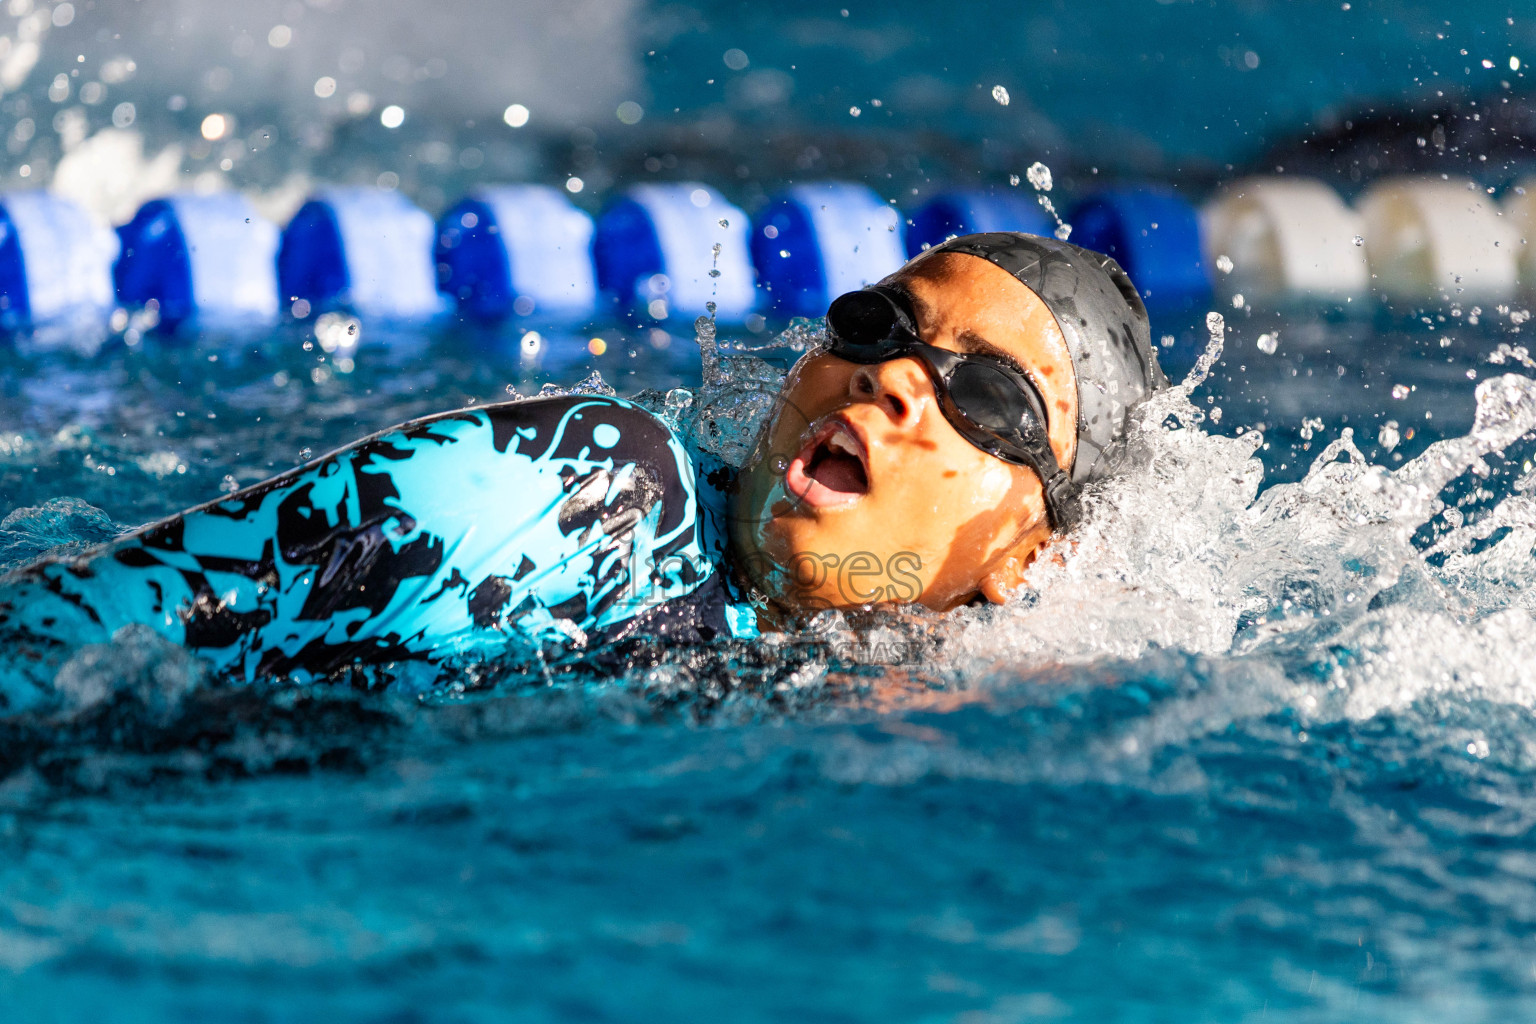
(862, 320)
(989, 398)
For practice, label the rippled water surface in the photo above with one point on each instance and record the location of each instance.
(1257, 746)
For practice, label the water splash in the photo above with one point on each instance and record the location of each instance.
(1324, 581)
(592, 384)
(59, 524)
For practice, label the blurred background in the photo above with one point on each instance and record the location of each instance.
(904, 95)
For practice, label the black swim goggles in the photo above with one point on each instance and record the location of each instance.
(990, 402)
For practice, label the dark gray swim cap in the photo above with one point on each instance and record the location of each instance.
(1104, 322)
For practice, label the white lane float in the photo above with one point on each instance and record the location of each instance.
(55, 262)
(1286, 239)
(1520, 212)
(1436, 240)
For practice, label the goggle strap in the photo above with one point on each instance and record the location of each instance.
(1060, 506)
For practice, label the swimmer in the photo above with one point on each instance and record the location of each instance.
(923, 456)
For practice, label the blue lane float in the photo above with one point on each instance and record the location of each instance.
(362, 249)
(55, 262)
(1154, 234)
(811, 243)
(209, 257)
(673, 249)
(970, 211)
(516, 249)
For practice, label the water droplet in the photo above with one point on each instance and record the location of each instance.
(1224, 263)
(1013, 179)
(1359, 240)
(724, 222)
(305, 454)
(1039, 176)
(1388, 436)
(1000, 94)
(678, 402)
(1267, 343)
(1400, 391)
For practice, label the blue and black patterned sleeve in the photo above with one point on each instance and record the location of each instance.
(551, 520)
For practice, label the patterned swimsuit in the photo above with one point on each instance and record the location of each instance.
(573, 520)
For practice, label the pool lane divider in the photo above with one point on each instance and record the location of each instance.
(55, 262)
(1154, 233)
(969, 211)
(1439, 239)
(663, 251)
(368, 251)
(516, 250)
(811, 243)
(671, 250)
(209, 258)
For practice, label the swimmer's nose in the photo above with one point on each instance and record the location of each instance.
(897, 385)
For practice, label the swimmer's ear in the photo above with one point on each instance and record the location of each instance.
(1007, 574)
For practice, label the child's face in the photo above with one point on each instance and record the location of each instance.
(861, 491)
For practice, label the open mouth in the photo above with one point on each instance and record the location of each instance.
(832, 468)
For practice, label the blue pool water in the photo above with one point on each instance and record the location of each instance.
(1246, 755)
